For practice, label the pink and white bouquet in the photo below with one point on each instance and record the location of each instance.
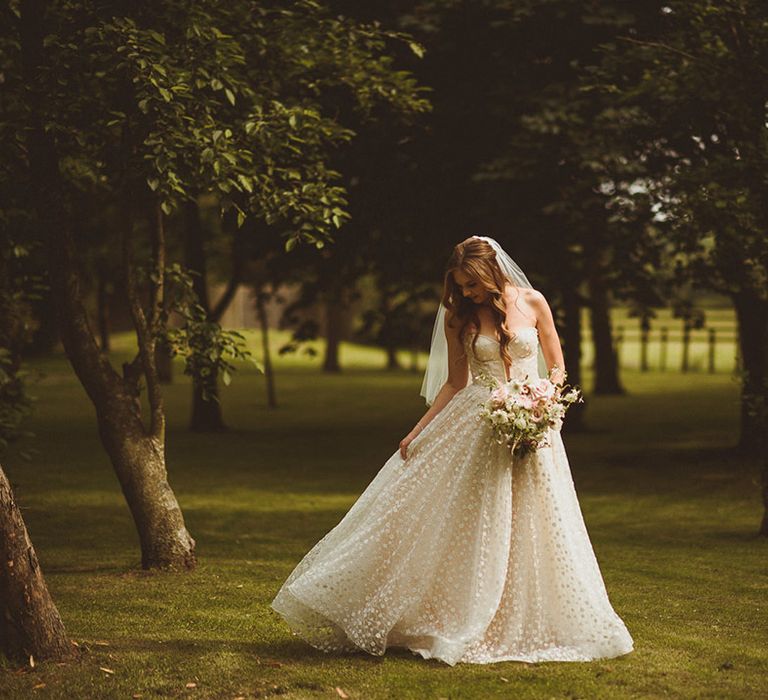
(521, 412)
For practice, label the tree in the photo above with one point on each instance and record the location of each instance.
(137, 111)
(30, 624)
(342, 76)
(696, 84)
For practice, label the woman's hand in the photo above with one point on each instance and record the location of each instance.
(407, 440)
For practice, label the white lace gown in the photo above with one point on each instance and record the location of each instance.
(459, 552)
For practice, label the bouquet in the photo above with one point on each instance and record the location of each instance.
(521, 412)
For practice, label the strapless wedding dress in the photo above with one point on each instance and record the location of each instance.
(459, 552)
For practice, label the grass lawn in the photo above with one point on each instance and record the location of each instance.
(671, 513)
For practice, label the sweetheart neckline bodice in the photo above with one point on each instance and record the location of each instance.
(515, 332)
(485, 358)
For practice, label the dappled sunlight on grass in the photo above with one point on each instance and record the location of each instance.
(671, 511)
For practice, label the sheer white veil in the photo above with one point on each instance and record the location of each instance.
(437, 364)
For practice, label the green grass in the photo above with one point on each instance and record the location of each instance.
(671, 514)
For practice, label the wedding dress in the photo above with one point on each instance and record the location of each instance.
(459, 552)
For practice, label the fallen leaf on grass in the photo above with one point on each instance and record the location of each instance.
(105, 669)
(191, 685)
(341, 693)
(39, 685)
(505, 680)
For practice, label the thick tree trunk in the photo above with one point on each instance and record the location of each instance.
(571, 333)
(137, 453)
(269, 373)
(139, 462)
(752, 315)
(334, 318)
(206, 413)
(606, 366)
(30, 624)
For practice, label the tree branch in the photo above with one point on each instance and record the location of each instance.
(144, 335)
(225, 300)
(659, 45)
(158, 279)
(238, 258)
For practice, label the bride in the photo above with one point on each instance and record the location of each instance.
(456, 550)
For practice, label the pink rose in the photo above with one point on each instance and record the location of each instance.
(542, 391)
(525, 400)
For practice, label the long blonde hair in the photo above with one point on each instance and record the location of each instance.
(477, 259)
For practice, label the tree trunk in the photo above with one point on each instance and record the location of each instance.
(392, 361)
(752, 315)
(30, 624)
(334, 318)
(164, 362)
(139, 461)
(137, 453)
(102, 310)
(46, 334)
(606, 366)
(269, 373)
(206, 413)
(763, 531)
(571, 333)
(387, 333)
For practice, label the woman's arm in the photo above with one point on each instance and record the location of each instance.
(458, 374)
(548, 337)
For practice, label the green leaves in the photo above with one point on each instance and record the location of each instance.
(221, 99)
(208, 350)
(699, 97)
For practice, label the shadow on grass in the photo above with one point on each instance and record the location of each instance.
(280, 651)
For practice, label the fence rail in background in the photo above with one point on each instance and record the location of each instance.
(714, 348)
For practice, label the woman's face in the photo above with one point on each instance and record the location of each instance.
(471, 287)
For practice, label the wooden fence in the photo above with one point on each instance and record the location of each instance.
(678, 348)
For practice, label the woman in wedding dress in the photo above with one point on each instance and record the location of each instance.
(457, 550)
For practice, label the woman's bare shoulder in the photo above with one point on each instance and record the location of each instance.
(528, 294)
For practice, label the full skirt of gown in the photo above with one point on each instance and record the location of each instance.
(460, 552)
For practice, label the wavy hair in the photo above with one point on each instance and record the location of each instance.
(477, 259)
